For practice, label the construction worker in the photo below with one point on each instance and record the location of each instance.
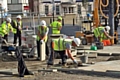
(63, 47)
(5, 28)
(17, 29)
(101, 33)
(42, 37)
(56, 26)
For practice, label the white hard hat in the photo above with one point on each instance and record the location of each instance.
(42, 23)
(108, 28)
(9, 19)
(77, 41)
(19, 16)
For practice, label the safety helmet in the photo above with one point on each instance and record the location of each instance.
(42, 23)
(108, 28)
(8, 19)
(77, 41)
(19, 17)
(59, 18)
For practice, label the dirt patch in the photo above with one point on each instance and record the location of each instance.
(10, 62)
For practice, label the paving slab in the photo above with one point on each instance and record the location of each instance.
(103, 66)
(107, 51)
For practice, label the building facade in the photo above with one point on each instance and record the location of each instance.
(59, 7)
(17, 6)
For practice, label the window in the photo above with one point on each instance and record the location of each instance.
(14, 1)
(46, 9)
(89, 8)
(71, 9)
(57, 10)
(79, 9)
(65, 9)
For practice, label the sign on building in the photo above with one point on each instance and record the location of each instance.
(26, 7)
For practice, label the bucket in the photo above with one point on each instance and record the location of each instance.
(84, 59)
(106, 42)
(93, 48)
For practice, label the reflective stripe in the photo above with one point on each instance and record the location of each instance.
(59, 44)
(98, 33)
(42, 31)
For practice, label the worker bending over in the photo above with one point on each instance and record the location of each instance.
(17, 29)
(56, 26)
(5, 28)
(63, 47)
(42, 37)
(101, 34)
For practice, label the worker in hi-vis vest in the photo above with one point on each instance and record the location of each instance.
(56, 26)
(42, 37)
(5, 28)
(17, 29)
(101, 33)
(63, 47)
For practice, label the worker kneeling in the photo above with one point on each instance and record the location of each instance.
(63, 47)
(101, 34)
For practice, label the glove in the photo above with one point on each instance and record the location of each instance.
(41, 41)
(75, 62)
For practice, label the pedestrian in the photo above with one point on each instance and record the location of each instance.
(17, 29)
(102, 33)
(42, 37)
(63, 47)
(5, 28)
(56, 26)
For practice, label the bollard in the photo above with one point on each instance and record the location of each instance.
(42, 52)
(50, 20)
(62, 22)
(73, 21)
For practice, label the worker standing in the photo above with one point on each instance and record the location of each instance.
(17, 29)
(101, 34)
(63, 47)
(56, 26)
(5, 28)
(42, 37)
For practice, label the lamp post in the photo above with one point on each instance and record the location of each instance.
(53, 2)
(111, 18)
(1, 13)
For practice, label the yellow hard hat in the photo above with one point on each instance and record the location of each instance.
(60, 18)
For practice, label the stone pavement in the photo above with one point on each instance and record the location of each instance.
(111, 66)
(108, 50)
(106, 66)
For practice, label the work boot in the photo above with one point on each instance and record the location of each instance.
(49, 66)
(65, 66)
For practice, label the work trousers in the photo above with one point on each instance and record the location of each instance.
(17, 36)
(52, 56)
(96, 39)
(6, 37)
(38, 48)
